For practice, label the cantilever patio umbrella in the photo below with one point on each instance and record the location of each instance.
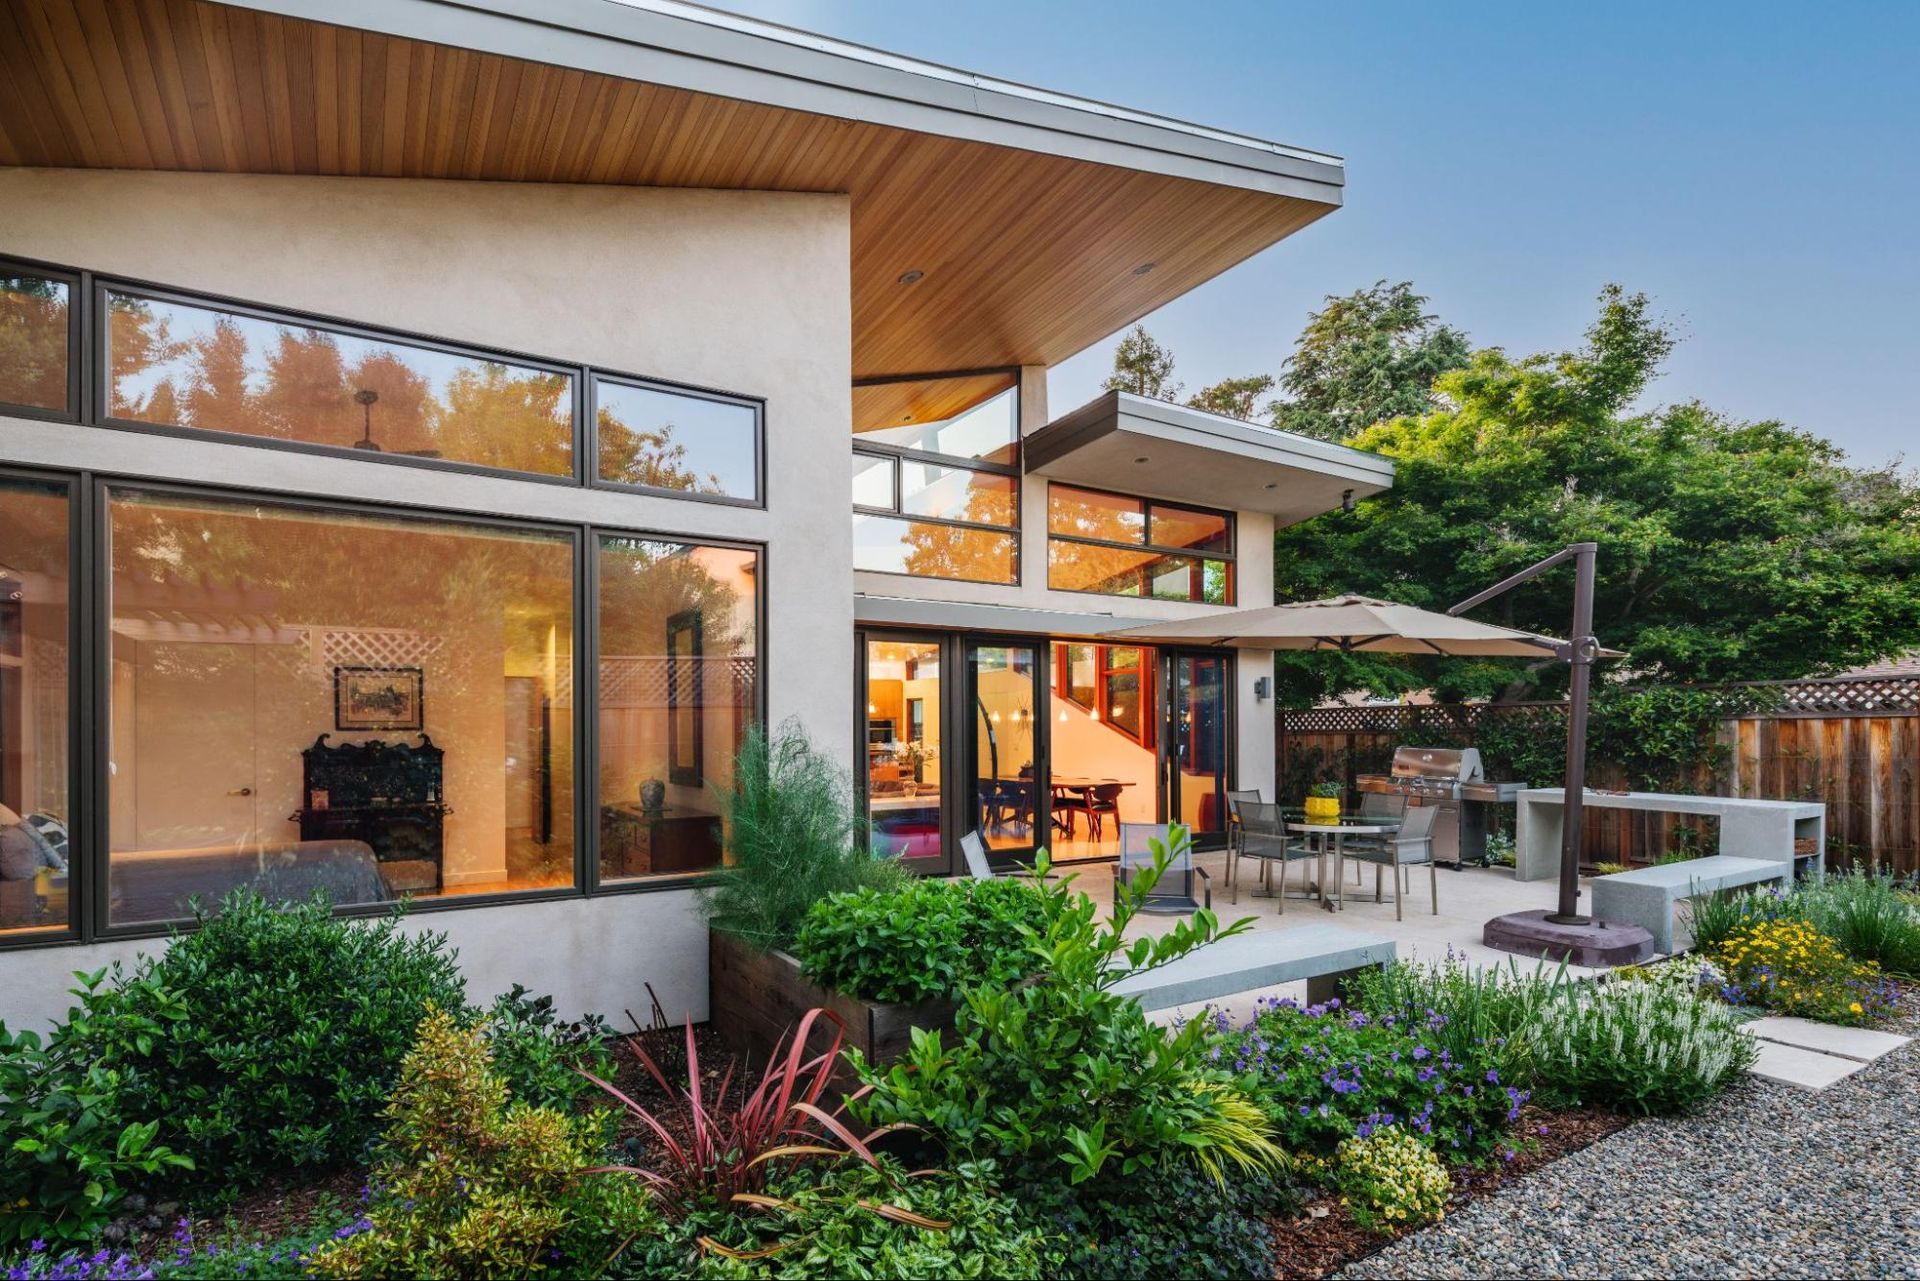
(1352, 624)
(1360, 624)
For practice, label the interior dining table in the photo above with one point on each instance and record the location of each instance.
(1067, 785)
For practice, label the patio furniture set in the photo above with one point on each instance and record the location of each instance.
(1387, 833)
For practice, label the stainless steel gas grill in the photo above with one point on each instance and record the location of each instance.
(1453, 779)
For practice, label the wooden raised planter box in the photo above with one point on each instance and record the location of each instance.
(756, 997)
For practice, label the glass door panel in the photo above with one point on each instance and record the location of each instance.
(1005, 696)
(903, 751)
(1197, 742)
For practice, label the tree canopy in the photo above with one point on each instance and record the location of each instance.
(1363, 358)
(1729, 551)
(1142, 366)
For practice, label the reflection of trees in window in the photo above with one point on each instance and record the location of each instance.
(189, 366)
(33, 341)
(652, 458)
(1119, 546)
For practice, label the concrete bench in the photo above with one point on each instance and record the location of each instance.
(1323, 955)
(1646, 895)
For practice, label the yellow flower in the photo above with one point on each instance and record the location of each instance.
(1856, 1008)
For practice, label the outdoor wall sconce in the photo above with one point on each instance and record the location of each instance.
(1262, 689)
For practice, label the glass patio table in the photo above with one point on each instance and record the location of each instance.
(1330, 837)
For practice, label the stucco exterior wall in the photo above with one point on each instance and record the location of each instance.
(740, 291)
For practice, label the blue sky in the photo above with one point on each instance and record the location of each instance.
(1753, 167)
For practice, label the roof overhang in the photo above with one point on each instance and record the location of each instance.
(1137, 445)
(1039, 223)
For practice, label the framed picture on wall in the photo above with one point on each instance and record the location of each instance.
(378, 698)
(685, 749)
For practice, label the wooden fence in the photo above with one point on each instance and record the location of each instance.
(1852, 744)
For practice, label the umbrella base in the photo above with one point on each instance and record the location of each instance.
(1595, 943)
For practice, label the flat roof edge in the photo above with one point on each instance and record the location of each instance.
(688, 47)
(1107, 411)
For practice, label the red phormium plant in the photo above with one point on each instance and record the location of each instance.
(718, 1150)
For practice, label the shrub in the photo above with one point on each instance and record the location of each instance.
(1712, 919)
(1327, 1074)
(1868, 916)
(269, 1038)
(1390, 1179)
(930, 940)
(1170, 1222)
(1471, 1012)
(71, 1150)
(1640, 1047)
(824, 1225)
(1789, 966)
(472, 1185)
(718, 1152)
(794, 837)
(539, 1055)
(1062, 1076)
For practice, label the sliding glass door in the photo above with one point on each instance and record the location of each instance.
(1197, 738)
(1007, 751)
(903, 753)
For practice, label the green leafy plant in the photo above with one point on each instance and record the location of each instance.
(1141, 1095)
(1325, 789)
(1472, 1012)
(794, 837)
(1869, 916)
(1639, 1047)
(930, 940)
(71, 1150)
(1325, 1073)
(541, 1056)
(876, 1220)
(473, 1185)
(1391, 1179)
(1172, 1221)
(268, 1038)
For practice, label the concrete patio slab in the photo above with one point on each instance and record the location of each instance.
(1861, 1044)
(1808, 1069)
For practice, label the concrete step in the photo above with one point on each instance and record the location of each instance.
(1808, 1069)
(1861, 1044)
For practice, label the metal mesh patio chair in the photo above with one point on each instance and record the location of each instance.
(1183, 887)
(1264, 837)
(1234, 801)
(1411, 845)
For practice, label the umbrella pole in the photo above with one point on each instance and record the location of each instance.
(1580, 655)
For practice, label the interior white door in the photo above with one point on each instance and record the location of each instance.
(194, 736)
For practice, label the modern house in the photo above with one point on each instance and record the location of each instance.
(432, 432)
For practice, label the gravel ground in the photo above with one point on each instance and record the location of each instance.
(1768, 1181)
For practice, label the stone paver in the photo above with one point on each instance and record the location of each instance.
(1808, 1069)
(1861, 1043)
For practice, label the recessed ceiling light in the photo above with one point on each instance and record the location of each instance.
(911, 277)
(1144, 268)
(1273, 484)
(1141, 459)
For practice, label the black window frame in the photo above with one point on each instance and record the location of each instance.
(80, 821)
(898, 454)
(88, 366)
(1230, 557)
(77, 290)
(90, 688)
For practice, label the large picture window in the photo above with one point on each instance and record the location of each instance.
(304, 700)
(175, 363)
(36, 329)
(936, 485)
(679, 674)
(35, 743)
(1117, 545)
